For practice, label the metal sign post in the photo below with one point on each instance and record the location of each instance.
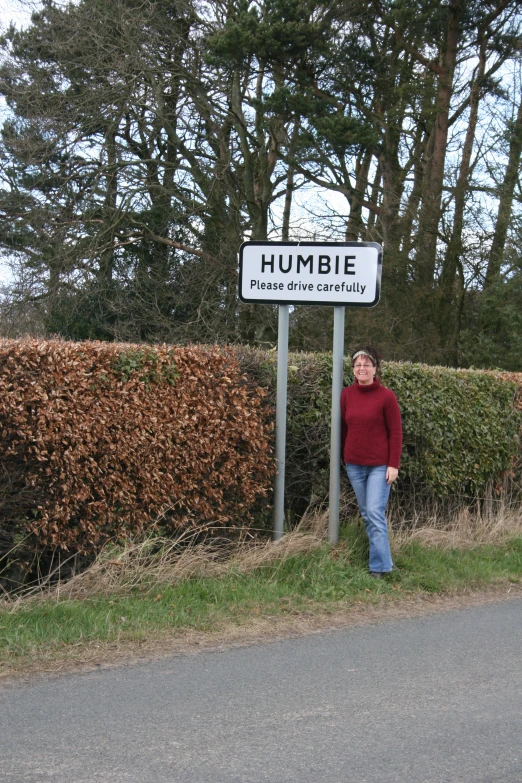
(310, 273)
(280, 439)
(335, 430)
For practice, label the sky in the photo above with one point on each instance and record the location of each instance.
(17, 11)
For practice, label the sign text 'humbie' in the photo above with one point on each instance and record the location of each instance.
(332, 273)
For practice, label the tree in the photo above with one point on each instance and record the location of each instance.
(506, 195)
(145, 142)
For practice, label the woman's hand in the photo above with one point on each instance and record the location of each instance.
(391, 475)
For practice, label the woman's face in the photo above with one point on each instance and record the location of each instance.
(364, 370)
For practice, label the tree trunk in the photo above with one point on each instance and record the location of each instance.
(355, 227)
(110, 211)
(289, 191)
(429, 217)
(374, 198)
(505, 204)
(448, 279)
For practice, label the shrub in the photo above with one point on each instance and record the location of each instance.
(108, 441)
(461, 427)
(100, 441)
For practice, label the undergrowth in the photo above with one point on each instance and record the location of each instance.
(157, 588)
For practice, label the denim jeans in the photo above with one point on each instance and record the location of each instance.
(372, 493)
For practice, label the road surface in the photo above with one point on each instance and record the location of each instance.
(435, 699)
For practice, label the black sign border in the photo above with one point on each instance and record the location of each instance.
(312, 244)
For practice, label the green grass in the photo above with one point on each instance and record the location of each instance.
(321, 581)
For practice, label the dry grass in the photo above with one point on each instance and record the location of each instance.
(448, 525)
(149, 604)
(157, 561)
(120, 571)
(454, 522)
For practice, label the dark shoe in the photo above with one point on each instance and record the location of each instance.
(376, 574)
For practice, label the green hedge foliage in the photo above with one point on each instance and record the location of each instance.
(461, 427)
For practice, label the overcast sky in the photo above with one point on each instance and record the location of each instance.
(17, 11)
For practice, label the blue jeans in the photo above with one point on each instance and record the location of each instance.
(372, 493)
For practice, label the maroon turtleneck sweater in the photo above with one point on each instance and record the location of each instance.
(371, 430)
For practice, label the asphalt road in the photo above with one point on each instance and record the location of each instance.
(436, 699)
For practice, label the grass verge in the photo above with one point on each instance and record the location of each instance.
(123, 600)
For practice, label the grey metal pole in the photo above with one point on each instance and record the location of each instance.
(335, 434)
(280, 434)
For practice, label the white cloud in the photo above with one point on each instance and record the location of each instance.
(16, 11)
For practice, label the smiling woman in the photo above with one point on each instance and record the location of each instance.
(371, 439)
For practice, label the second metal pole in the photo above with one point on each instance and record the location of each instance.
(335, 434)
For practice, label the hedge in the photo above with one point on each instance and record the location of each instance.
(103, 441)
(461, 427)
(106, 441)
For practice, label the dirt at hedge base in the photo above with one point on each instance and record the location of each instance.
(84, 657)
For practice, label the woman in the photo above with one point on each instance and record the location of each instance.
(371, 442)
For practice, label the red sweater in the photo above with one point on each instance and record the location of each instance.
(371, 430)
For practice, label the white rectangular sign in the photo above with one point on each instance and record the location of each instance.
(313, 273)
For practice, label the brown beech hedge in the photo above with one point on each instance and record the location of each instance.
(102, 441)
(105, 441)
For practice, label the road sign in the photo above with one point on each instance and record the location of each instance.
(310, 273)
(313, 273)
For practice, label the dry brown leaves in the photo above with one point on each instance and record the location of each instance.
(107, 437)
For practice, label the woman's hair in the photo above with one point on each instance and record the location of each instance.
(371, 353)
